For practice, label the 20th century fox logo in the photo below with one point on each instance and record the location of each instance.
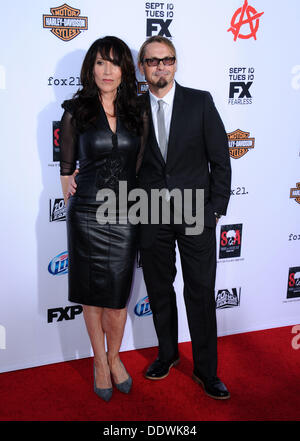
(159, 16)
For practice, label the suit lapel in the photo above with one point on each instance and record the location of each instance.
(176, 121)
(152, 137)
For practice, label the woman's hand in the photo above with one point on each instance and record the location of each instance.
(72, 186)
(69, 185)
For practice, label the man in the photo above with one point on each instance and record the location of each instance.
(186, 148)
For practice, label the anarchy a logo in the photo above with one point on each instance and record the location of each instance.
(245, 17)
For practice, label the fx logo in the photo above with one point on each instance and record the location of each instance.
(2, 337)
(67, 313)
(241, 88)
(158, 26)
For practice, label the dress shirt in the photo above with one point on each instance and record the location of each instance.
(168, 107)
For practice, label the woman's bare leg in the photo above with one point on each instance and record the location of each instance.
(93, 316)
(113, 321)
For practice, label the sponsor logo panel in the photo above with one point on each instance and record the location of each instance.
(65, 22)
(63, 313)
(295, 193)
(293, 286)
(57, 210)
(227, 298)
(230, 241)
(159, 17)
(56, 140)
(142, 87)
(142, 308)
(241, 79)
(59, 264)
(239, 143)
(245, 22)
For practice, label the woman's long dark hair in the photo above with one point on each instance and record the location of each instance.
(87, 98)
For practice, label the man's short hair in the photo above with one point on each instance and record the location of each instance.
(155, 39)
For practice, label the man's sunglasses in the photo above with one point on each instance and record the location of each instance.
(167, 61)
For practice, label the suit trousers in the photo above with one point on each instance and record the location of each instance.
(198, 263)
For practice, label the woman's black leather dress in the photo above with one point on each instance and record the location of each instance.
(101, 256)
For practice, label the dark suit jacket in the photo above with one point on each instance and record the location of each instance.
(197, 156)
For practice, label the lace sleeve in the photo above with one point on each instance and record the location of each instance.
(68, 143)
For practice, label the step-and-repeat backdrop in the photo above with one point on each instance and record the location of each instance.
(246, 53)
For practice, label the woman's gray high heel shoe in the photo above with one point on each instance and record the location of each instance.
(125, 386)
(105, 394)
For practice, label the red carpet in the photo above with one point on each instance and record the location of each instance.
(261, 370)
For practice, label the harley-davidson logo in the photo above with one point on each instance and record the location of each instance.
(239, 143)
(295, 193)
(65, 22)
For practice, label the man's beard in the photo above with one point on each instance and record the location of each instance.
(161, 83)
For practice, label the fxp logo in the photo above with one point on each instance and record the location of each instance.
(245, 17)
(59, 264)
(142, 308)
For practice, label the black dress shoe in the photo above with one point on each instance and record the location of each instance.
(213, 387)
(160, 369)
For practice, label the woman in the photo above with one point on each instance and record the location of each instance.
(101, 128)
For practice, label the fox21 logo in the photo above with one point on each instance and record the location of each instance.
(230, 241)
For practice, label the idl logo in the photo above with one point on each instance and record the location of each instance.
(142, 308)
(59, 264)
